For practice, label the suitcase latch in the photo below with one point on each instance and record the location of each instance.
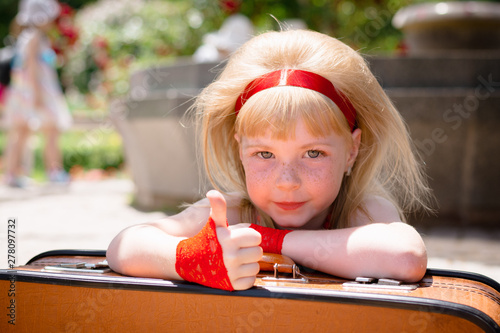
(384, 284)
(80, 267)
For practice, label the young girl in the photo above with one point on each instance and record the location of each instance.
(308, 157)
(35, 99)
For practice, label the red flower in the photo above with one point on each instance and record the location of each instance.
(100, 42)
(66, 10)
(66, 33)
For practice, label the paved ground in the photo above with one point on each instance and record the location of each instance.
(88, 214)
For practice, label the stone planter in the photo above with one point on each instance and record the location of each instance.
(159, 150)
(445, 26)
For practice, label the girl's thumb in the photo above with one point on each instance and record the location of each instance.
(218, 208)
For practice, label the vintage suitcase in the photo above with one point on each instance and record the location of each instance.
(74, 291)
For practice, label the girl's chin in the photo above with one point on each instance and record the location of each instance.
(296, 223)
(287, 224)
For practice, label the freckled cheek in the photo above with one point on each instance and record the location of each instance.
(317, 176)
(256, 177)
(324, 180)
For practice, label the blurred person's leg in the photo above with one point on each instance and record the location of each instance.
(17, 137)
(52, 153)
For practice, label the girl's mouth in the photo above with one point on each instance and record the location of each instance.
(289, 205)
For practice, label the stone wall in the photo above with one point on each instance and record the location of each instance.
(452, 107)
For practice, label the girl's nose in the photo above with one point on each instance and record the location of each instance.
(288, 177)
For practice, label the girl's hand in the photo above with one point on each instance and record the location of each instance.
(240, 246)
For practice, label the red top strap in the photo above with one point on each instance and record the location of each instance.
(303, 79)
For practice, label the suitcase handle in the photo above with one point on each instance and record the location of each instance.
(283, 263)
(279, 263)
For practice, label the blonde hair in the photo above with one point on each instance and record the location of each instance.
(385, 166)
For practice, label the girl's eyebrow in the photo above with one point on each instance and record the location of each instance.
(256, 141)
(320, 142)
(256, 145)
(259, 143)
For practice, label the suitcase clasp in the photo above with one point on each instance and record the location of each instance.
(80, 267)
(384, 284)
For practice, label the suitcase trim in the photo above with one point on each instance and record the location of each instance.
(68, 252)
(465, 275)
(471, 314)
(430, 271)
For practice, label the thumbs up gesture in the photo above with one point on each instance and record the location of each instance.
(240, 246)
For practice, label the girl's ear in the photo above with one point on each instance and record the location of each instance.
(354, 150)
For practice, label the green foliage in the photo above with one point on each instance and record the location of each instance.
(363, 24)
(119, 36)
(131, 34)
(93, 149)
(8, 10)
(77, 4)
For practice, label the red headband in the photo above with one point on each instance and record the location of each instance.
(303, 79)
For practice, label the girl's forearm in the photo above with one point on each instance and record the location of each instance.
(392, 250)
(144, 250)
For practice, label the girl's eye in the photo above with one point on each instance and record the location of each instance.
(313, 153)
(265, 154)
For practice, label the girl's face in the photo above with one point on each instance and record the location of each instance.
(296, 180)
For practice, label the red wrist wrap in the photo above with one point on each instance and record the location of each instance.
(199, 259)
(272, 239)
